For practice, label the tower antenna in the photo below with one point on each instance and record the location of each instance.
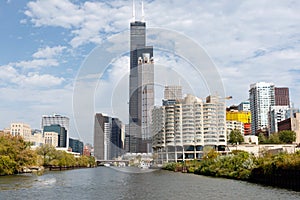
(133, 11)
(143, 14)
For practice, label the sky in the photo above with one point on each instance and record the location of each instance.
(52, 57)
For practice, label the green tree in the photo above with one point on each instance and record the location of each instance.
(262, 138)
(209, 153)
(235, 137)
(274, 139)
(287, 136)
(48, 152)
(15, 155)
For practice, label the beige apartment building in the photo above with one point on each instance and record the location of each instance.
(181, 130)
(21, 129)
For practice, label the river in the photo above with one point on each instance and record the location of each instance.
(108, 183)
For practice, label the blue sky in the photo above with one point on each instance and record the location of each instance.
(45, 43)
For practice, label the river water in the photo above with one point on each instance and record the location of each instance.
(109, 183)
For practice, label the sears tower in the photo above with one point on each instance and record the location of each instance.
(141, 87)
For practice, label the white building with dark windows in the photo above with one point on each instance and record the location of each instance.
(262, 97)
(181, 130)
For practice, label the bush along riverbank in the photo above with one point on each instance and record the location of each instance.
(281, 170)
(16, 156)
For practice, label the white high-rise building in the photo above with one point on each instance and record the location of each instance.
(181, 130)
(262, 97)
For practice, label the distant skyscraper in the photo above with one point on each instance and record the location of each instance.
(62, 121)
(282, 97)
(262, 97)
(100, 132)
(141, 88)
(171, 94)
(108, 141)
(127, 138)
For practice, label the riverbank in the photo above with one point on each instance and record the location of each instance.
(281, 170)
(16, 157)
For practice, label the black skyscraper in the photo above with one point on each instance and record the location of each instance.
(141, 88)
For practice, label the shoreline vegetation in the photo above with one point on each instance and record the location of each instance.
(280, 170)
(16, 157)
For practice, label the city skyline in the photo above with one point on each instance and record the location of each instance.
(46, 42)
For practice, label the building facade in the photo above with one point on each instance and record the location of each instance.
(276, 114)
(62, 121)
(51, 138)
(108, 141)
(240, 116)
(61, 132)
(76, 145)
(141, 88)
(87, 150)
(234, 125)
(282, 96)
(293, 124)
(244, 106)
(262, 97)
(21, 129)
(37, 138)
(173, 92)
(181, 130)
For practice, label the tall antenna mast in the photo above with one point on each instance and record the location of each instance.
(143, 14)
(133, 11)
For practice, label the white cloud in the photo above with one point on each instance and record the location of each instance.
(37, 63)
(88, 22)
(43, 57)
(25, 73)
(48, 52)
(34, 79)
(7, 72)
(54, 12)
(9, 75)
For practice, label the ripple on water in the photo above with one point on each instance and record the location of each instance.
(107, 183)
